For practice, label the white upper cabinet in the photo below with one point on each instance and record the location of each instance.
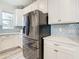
(43, 6)
(63, 11)
(31, 7)
(37, 5)
(19, 17)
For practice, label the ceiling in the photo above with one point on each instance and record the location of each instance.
(17, 3)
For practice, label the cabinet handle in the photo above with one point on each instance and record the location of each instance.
(56, 44)
(56, 50)
(59, 20)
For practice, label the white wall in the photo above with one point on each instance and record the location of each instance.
(6, 7)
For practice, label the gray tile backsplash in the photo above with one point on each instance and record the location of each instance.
(16, 29)
(68, 30)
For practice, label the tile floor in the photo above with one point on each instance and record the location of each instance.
(15, 54)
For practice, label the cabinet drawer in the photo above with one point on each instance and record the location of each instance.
(54, 48)
(61, 46)
(49, 49)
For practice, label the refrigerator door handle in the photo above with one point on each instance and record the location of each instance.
(28, 26)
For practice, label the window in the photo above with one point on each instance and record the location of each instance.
(7, 20)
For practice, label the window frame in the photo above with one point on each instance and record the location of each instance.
(7, 27)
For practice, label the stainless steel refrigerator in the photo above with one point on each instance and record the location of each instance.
(35, 28)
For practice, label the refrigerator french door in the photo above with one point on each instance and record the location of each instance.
(36, 27)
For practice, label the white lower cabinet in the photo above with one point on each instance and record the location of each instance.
(53, 51)
(49, 53)
(64, 55)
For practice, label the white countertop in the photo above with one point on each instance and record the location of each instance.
(62, 39)
(9, 33)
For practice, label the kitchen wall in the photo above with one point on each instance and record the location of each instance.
(68, 30)
(7, 7)
(10, 9)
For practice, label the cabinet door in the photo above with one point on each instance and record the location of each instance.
(68, 11)
(49, 53)
(65, 54)
(43, 6)
(63, 11)
(53, 11)
(19, 17)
